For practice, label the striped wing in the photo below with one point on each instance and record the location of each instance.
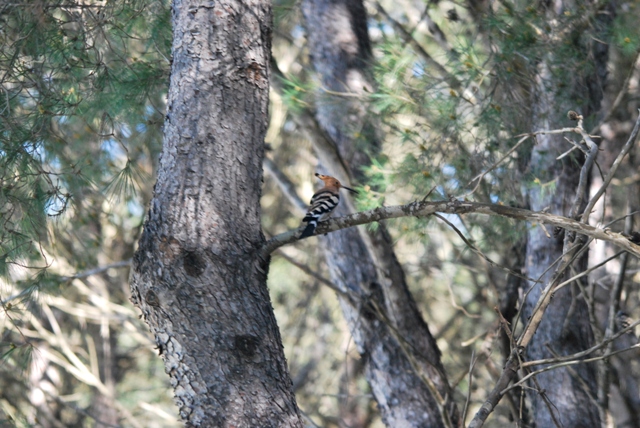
(322, 203)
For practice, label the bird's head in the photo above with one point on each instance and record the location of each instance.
(333, 182)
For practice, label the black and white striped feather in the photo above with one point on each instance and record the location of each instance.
(323, 202)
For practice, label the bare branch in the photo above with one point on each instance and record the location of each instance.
(582, 354)
(623, 90)
(585, 170)
(304, 268)
(425, 209)
(481, 254)
(472, 364)
(567, 363)
(614, 305)
(614, 167)
(480, 176)
(97, 270)
(508, 374)
(79, 275)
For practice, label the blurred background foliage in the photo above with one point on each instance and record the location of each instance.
(82, 101)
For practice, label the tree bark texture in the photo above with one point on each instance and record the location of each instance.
(563, 396)
(401, 357)
(194, 275)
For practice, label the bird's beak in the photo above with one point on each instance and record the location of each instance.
(350, 189)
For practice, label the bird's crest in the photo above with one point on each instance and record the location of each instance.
(333, 182)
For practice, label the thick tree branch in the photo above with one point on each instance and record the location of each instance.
(424, 209)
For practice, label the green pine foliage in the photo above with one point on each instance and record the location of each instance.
(83, 100)
(82, 90)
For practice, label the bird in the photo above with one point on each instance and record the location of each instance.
(322, 204)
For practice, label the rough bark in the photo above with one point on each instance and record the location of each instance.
(194, 276)
(401, 357)
(564, 396)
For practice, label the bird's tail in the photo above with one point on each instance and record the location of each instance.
(311, 227)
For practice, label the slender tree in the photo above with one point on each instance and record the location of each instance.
(562, 396)
(401, 358)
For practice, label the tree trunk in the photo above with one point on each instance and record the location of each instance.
(564, 396)
(194, 274)
(401, 357)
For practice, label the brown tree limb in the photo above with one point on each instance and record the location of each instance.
(425, 209)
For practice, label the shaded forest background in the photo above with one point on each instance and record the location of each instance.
(82, 104)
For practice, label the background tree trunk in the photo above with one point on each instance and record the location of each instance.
(562, 396)
(194, 274)
(402, 360)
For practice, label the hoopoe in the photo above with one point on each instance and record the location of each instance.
(323, 202)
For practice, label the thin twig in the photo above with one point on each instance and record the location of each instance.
(580, 355)
(567, 363)
(584, 171)
(480, 176)
(623, 90)
(304, 268)
(419, 50)
(582, 383)
(79, 410)
(79, 275)
(614, 167)
(468, 400)
(509, 373)
(547, 403)
(614, 306)
(287, 187)
(589, 270)
(481, 254)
